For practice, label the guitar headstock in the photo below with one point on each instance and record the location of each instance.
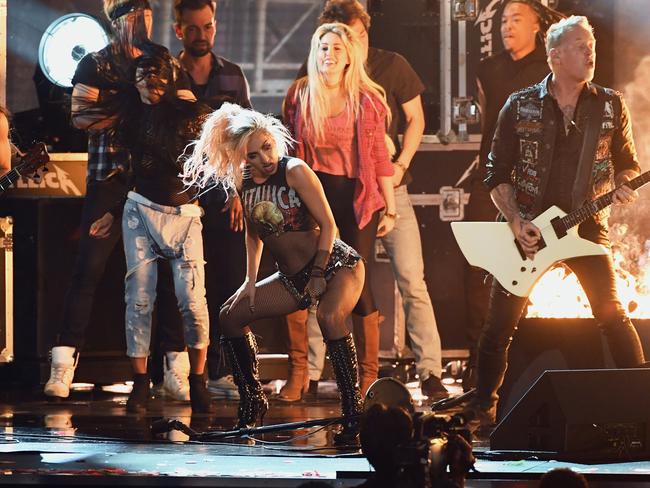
(35, 157)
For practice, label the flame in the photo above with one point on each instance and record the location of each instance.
(558, 293)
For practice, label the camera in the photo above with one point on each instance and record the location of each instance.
(438, 443)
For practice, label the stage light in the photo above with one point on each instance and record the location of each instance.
(464, 10)
(65, 42)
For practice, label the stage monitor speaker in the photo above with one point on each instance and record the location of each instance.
(542, 344)
(581, 415)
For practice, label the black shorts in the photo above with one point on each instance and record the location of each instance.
(342, 256)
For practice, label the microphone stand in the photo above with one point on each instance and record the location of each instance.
(166, 425)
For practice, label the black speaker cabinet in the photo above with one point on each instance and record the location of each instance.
(549, 344)
(541, 344)
(582, 415)
(406, 27)
(46, 235)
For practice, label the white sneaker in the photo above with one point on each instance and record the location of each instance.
(175, 379)
(63, 363)
(224, 388)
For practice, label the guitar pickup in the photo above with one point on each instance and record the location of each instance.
(540, 245)
(559, 229)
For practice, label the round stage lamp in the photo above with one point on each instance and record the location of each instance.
(65, 42)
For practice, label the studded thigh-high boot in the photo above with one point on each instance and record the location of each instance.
(242, 354)
(343, 357)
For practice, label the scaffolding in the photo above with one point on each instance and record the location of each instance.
(269, 39)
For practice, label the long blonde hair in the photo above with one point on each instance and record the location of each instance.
(217, 155)
(314, 105)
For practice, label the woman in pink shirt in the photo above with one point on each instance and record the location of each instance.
(337, 115)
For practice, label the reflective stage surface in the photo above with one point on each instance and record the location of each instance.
(90, 440)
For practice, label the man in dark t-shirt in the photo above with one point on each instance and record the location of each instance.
(522, 63)
(215, 80)
(403, 245)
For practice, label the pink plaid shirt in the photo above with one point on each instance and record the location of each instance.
(373, 158)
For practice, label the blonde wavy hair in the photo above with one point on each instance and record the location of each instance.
(314, 105)
(217, 155)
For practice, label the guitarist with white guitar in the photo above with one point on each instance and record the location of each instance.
(560, 143)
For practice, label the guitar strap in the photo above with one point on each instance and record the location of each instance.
(593, 114)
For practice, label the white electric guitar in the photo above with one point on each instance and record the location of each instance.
(493, 247)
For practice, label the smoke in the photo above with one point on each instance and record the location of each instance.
(637, 97)
(630, 224)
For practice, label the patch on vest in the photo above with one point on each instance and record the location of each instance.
(603, 150)
(527, 127)
(528, 151)
(530, 110)
(608, 116)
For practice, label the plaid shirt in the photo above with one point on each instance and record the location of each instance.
(226, 82)
(104, 156)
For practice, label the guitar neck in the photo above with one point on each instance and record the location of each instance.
(583, 213)
(10, 178)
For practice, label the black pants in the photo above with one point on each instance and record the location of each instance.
(225, 270)
(339, 191)
(596, 275)
(90, 263)
(477, 281)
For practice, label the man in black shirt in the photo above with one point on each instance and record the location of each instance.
(215, 80)
(521, 63)
(543, 154)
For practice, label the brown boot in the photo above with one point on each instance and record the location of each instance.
(366, 340)
(298, 375)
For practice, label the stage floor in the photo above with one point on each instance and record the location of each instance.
(90, 440)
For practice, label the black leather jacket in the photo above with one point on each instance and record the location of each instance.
(524, 141)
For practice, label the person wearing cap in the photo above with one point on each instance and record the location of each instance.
(108, 182)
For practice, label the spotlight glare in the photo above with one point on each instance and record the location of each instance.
(65, 42)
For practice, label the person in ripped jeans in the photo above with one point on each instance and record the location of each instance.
(161, 220)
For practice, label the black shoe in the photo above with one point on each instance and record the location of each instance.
(312, 391)
(433, 388)
(199, 395)
(348, 435)
(480, 421)
(469, 377)
(140, 394)
(343, 358)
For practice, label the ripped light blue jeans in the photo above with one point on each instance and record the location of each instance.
(151, 232)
